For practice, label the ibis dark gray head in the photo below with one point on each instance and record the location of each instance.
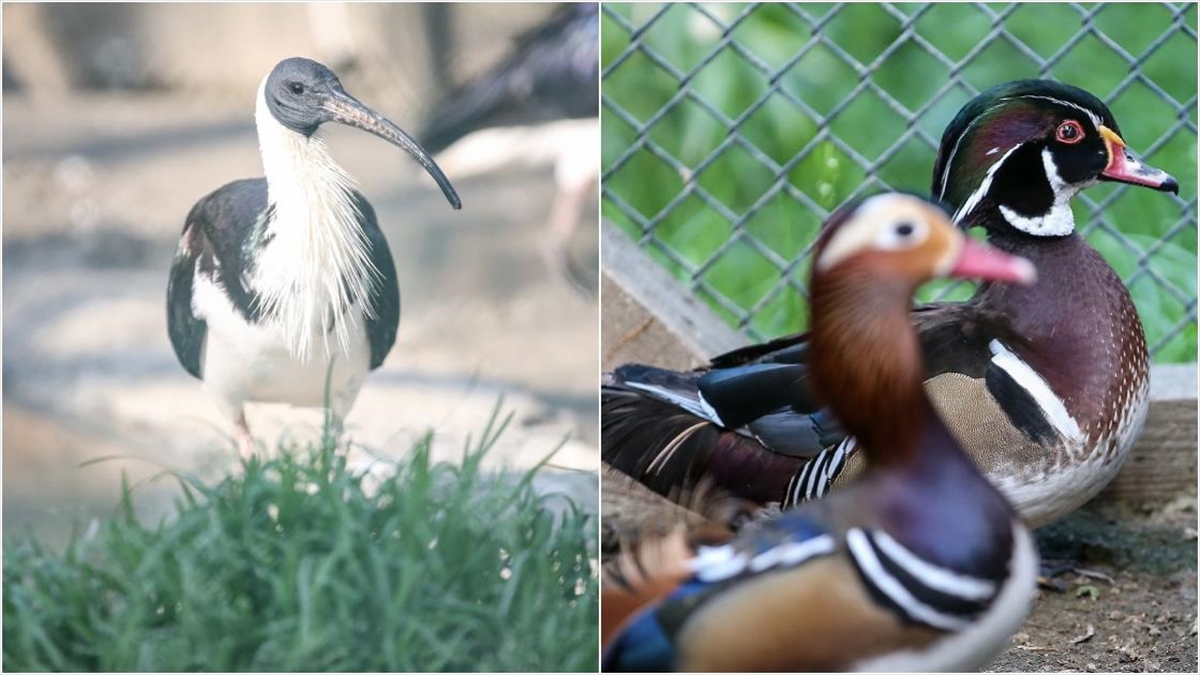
(303, 94)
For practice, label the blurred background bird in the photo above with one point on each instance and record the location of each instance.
(536, 106)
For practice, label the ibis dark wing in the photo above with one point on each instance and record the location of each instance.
(381, 328)
(219, 236)
(186, 331)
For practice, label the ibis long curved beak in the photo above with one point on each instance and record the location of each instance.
(1125, 167)
(344, 108)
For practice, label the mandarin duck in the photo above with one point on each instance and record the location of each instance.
(1046, 386)
(918, 564)
(283, 288)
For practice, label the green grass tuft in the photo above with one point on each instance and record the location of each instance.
(299, 563)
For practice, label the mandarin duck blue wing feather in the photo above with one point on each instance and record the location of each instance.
(643, 646)
(647, 643)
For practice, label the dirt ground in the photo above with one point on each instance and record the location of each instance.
(1135, 608)
(95, 193)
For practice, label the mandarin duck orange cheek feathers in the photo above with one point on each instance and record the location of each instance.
(920, 564)
(1046, 386)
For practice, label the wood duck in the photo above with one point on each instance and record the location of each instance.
(919, 564)
(1046, 386)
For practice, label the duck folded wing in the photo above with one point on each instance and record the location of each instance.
(792, 349)
(667, 590)
(770, 402)
(671, 450)
(750, 422)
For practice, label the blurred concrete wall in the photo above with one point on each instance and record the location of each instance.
(416, 50)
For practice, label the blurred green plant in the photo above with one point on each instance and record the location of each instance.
(298, 563)
(741, 175)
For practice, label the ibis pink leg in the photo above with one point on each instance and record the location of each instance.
(245, 441)
(565, 214)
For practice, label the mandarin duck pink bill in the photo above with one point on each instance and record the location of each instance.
(919, 564)
(1046, 386)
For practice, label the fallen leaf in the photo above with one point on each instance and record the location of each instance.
(1091, 631)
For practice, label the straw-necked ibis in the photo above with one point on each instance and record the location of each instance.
(283, 288)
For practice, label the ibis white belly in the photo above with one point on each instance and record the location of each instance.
(244, 361)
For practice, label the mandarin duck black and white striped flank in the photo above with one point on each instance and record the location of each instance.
(1046, 386)
(284, 285)
(919, 564)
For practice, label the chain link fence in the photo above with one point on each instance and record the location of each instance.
(731, 131)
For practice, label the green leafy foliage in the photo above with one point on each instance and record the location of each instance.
(713, 143)
(297, 563)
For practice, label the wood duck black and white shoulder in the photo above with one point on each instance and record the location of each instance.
(920, 564)
(1046, 386)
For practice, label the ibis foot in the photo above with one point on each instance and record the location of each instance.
(558, 259)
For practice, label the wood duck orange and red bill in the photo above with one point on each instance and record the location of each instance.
(1126, 167)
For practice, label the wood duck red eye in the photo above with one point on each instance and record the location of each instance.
(1069, 132)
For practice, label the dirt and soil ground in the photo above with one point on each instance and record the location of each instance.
(1135, 608)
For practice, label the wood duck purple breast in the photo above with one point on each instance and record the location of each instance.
(918, 564)
(1045, 386)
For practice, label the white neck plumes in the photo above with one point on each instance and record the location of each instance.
(316, 263)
